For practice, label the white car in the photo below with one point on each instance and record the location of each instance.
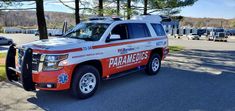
(193, 37)
(91, 51)
(5, 41)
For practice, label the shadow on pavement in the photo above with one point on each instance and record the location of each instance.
(177, 87)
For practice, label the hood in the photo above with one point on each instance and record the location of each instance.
(55, 44)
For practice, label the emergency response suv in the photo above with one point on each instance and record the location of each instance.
(94, 50)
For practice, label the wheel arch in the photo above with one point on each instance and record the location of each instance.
(96, 63)
(157, 51)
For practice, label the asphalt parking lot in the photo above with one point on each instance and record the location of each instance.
(200, 78)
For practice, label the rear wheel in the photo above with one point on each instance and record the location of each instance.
(85, 82)
(153, 65)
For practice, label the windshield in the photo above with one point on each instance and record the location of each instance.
(88, 31)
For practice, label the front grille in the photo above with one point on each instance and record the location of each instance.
(35, 60)
(20, 57)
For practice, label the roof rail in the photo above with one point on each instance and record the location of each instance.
(113, 18)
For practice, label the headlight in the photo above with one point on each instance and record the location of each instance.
(51, 62)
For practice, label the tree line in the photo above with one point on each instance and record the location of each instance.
(165, 7)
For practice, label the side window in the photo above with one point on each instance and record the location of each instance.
(139, 30)
(158, 29)
(121, 30)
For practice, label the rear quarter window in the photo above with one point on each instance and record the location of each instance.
(138, 30)
(159, 30)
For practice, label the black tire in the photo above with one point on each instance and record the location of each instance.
(79, 73)
(149, 70)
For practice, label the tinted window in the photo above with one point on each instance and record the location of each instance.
(159, 29)
(138, 30)
(121, 30)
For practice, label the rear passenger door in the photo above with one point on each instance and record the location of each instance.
(140, 34)
(129, 51)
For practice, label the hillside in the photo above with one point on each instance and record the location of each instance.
(29, 19)
(56, 19)
(208, 22)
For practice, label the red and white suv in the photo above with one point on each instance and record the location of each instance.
(91, 51)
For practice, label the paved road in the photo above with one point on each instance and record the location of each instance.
(18, 39)
(200, 78)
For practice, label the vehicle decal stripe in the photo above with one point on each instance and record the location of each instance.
(125, 43)
(93, 47)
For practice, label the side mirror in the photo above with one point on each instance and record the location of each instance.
(114, 37)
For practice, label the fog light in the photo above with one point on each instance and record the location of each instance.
(46, 85)
(49, 86)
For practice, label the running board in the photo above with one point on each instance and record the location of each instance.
(121, 74)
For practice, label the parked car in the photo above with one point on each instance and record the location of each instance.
(217, 34)
(5, 41)
(193, 37)
(92, 51)
(178, 36)
(52, 32)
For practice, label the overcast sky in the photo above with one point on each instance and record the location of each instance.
(202, 8)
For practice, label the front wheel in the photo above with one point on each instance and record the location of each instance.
(153, 65)
(85, 82)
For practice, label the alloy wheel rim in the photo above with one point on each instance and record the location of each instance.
(155, 64)
(87, 83)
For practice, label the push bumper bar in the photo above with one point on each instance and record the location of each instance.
(25, 72)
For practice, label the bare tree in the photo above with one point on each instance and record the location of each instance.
(145, 7)
(101, 10)
(118, 7)
(77, 14)
(42, 27)
(128, 9)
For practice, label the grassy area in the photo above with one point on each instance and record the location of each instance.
(176, 48)
(2, 72)
(2, 67)
(3, 55)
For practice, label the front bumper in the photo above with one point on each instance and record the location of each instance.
(53, 80)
